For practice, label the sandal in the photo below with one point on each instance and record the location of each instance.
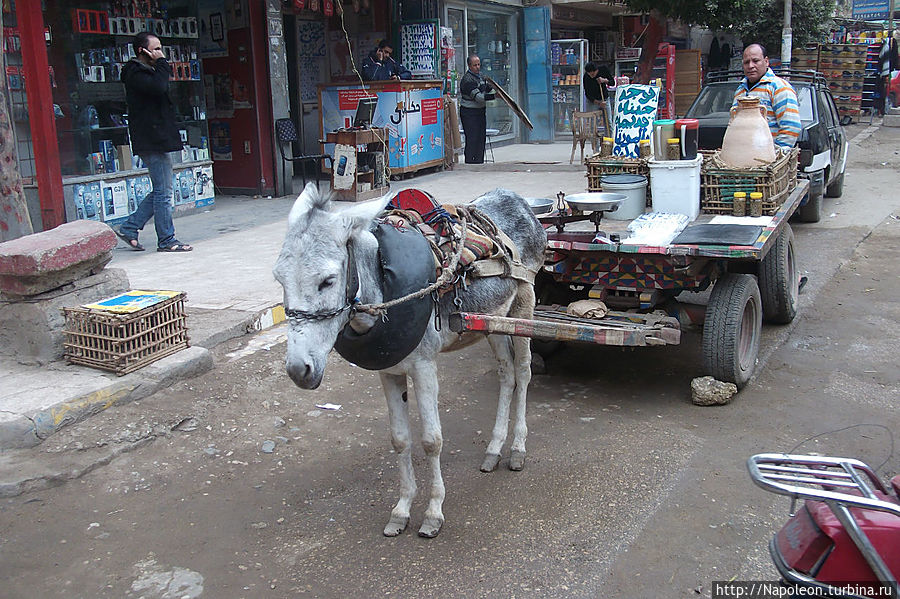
(177, 247)
(131, 241)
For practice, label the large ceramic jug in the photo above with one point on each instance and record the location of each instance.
(748, 140)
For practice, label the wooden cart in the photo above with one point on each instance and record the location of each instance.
(750, 283)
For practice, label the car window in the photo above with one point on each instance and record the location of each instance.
(717, 98)
(804, 97)
(825, 111)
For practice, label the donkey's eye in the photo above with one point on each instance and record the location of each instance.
(325, 284)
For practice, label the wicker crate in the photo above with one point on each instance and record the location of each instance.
(775, 181)
(123, 342)
(598, 167)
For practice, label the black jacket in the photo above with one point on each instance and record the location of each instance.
(372, 70)
(593, 89)
(151, 114)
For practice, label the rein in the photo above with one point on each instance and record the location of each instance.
(353, 305)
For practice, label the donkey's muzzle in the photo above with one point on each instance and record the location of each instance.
(304, 374)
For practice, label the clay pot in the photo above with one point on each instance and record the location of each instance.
(748, 141)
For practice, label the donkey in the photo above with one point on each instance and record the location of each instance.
(331, 260)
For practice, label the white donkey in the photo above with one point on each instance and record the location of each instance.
(332, 260)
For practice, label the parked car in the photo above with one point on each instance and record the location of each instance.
(823, 143)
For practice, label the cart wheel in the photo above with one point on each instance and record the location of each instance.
(779, 284)
(732, 328)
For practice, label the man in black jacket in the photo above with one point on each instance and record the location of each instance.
(151, 123)
(474, 91)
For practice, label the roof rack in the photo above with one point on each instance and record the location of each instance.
(805, 75)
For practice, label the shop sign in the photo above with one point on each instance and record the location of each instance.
(635, 112)
(871, 9)
(430, 108)
(628, 53)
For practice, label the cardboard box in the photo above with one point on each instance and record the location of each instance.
(123, 153)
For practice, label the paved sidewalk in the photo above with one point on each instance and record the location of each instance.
(230, 288)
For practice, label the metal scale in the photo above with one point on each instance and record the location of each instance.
(579, 207)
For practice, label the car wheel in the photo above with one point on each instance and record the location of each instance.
(811, 211)
(836, 188)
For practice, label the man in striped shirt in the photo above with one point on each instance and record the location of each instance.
(774, 93)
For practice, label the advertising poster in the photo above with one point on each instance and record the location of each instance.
(414, 119)
(203, 185)
(635, 112)
(220, 140)
(115, 200)
(213, 39)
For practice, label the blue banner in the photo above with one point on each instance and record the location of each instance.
(871, 9)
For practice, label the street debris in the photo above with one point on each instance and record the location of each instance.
(707, 391)
(328, 406)
(268, 446)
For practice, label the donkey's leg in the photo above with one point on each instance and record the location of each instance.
(398, 410)
(522, 349)
(504, 353)
(424, 378)
(523, 307)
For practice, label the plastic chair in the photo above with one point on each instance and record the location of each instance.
(286, 131)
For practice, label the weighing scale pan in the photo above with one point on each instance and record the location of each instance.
(595, 201)
(540, 205)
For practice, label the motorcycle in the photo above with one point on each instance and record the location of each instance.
(845, 538)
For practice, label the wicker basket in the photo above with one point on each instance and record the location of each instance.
(598, 167)
(125, 342)
(775, 181)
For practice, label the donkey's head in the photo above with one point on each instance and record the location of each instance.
(317, 270)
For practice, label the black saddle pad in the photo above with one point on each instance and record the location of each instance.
(719, 235)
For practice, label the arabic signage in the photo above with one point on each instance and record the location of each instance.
(871, 9)
(414, 119)
(635, 113)
(418, 47)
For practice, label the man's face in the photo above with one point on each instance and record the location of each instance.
(387, 51)
(755, 64)
(475, 65)
(153, 51)
(593, 74)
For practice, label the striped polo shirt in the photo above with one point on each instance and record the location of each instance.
(780, 101)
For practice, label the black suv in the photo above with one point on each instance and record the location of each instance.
(823, 144)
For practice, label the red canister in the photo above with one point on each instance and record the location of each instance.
(689, 132)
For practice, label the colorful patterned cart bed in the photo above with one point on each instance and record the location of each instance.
(640, 283)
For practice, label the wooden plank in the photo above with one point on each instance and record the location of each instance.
(584, 331)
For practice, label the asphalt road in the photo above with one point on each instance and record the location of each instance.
(629, 490)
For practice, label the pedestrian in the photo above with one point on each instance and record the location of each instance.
(774, 93)
(151, 124)
(398, 71)
(887, 63)
(474, 92)
(595, 82)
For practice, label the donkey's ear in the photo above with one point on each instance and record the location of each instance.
(306, 201)
(360, 216)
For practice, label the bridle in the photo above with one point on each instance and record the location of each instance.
(351, 299)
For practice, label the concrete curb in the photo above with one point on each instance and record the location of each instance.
(24, 431)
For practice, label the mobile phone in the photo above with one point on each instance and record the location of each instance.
(342, 166)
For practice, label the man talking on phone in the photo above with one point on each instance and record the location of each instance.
(151, 123)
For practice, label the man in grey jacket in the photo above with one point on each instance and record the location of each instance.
(474, 91)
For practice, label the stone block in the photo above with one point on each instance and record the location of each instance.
(707, 391)
(31, 331)
(38, 263)
(891, 120)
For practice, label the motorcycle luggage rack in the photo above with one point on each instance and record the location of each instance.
(826, 479)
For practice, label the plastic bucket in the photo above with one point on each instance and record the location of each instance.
(633, 187)
(678, 184)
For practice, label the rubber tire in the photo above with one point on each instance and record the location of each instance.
(811, 212)
(779, 283)
(836, 189)
(732, 329)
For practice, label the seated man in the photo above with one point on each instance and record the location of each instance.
(379, 66)
(398, 71)
(774, 93)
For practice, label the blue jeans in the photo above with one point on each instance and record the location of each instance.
(157, 204)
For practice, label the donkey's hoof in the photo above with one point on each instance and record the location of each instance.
(395, 526)
(517, 460)
(431, 527)
(490, 462)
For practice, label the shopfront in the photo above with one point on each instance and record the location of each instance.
(491, 32)
(88, 44)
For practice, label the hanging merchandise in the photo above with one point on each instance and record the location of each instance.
(299, 4)
(328, 7)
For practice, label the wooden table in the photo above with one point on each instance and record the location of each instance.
(371, 158)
